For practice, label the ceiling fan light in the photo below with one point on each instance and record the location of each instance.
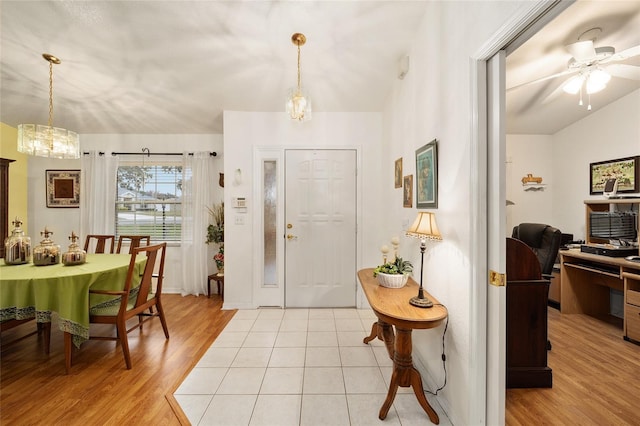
(599, 77)
(594, 85)
(573, 85)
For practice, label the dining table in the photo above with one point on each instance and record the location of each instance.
(28, 291)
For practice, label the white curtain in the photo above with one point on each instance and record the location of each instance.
(198, 178)
(98, 192)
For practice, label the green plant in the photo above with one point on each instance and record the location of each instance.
(397, 267)
(215, 230)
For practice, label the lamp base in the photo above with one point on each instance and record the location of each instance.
(421, 302)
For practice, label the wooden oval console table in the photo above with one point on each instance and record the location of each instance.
(391, 306)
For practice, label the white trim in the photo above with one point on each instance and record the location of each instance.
(268, 295)
(522, 25)
(272, 295)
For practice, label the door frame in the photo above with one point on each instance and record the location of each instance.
(488, 393)
(273, 296)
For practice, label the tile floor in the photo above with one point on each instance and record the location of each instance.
(297, 367)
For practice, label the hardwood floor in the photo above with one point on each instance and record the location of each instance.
(595, 373)
(596, 377)
(34, 389)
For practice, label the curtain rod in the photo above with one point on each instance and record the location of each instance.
(145, 151)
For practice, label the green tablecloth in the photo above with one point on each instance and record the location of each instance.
(28, 290)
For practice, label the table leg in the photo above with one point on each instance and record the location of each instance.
(375, 332)
(404, 373)
(68, 347)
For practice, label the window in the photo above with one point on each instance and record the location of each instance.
(149, 200)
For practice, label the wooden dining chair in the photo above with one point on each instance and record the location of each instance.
(101, 243)
(133, 300)
(134, 241)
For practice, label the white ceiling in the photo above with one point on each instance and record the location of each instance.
(543, 108)
(174, 66)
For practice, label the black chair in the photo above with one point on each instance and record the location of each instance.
(544, 240)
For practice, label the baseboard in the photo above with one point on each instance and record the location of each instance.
(553, 304)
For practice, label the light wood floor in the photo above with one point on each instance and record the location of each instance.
(595, 374)
(34, 389)
(596, 377)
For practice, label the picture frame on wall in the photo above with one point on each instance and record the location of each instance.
(398, 173)
(427, 176)
(63, 188)
(407, 199)
(625, 170)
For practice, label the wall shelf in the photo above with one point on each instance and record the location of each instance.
(530, 186)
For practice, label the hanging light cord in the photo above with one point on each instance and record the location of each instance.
(50, 93)
(299, 86)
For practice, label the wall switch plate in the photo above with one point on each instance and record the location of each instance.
(239, 220)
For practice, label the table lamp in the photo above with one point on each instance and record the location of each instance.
(425, 228)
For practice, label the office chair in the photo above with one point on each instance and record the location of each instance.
(544, 240)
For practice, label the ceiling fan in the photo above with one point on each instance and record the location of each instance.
(592, 67)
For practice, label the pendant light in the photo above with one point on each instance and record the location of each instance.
(298, 102)
(48, 141)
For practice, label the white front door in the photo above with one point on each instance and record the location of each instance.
(320, 228)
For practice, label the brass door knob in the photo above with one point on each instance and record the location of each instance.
(292, 237)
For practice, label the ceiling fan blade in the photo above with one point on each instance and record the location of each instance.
(582, 50)
(539, 80)
(625, 71)
(624, 55)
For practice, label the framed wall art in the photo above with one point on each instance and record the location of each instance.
(626, 170)
(398, 173)
(407, 199)
(427, 176)
(63, 188)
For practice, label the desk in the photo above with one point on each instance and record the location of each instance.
(587, 278)
(28, 290)
(391, 306)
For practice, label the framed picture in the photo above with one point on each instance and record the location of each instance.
(63, 188)
(398, 173)
(626, 170)
(407, 199)
(427, 176)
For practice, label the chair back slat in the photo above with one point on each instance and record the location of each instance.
(101, 243)
(145, 283)
(135, 241)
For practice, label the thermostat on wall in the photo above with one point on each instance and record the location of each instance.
(239, 202)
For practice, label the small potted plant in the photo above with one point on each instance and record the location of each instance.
(393, 274)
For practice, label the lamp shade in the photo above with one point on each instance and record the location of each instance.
(425, 227)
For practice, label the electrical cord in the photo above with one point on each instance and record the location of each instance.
(444, 357)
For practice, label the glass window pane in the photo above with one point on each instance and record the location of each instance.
(270, 196)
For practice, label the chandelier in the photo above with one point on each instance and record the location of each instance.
(591, 80)
(298, 102)
(48, 141)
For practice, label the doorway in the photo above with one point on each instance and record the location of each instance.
(320, 228)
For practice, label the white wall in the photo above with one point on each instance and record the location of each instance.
(64, 220)
(434, 102)
(529, 154)
(245, 132)
(563, 161)
(609, 133)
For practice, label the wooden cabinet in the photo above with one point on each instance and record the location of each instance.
(4, 202)
(632, 306)
(555, 288)
(526, 318)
